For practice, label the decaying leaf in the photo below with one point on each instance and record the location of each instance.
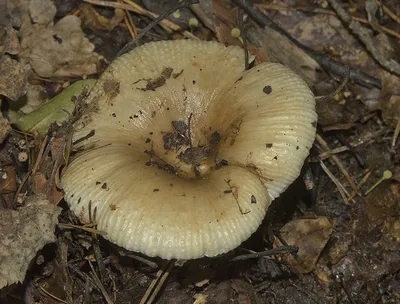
(91, 18)
(9, 40)
(4, 127)
(8, 185)
(286, 52)
(58, 50)
(42, 12)
(22, 233)
(310, 236)
(382, 205)
(13, 78)
(57, 109)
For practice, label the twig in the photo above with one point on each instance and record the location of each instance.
(360, 158)
(339, 88)
(140, 259)
(362, 34)
(88, 229)
(133, 7)
(244, 39)
(324, 61)
(274, 251)
(39, 157)
(99, 285)
(156, 285)
(159, 19)
(129, 26)
(389, 12)
(337, 161)
(87, 291)
(360, 184)
(339, 186)
(51, 295)
(396, 133)
(169, 24)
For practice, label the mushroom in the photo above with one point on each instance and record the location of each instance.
(185, 149)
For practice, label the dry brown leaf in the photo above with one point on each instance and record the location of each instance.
(286, 52)
(10, 41)
(13, 78)
(259, 53)
(7, 181)
(310, 236)
(389, 99)
(22, 234)
(226, 20)
(91, 18)
(58, 50)
(382, 204)
(42, 11)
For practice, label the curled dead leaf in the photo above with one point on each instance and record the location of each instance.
(22, 234)
(10, 41)
(91, 18)
(58, 50)
(310, 236)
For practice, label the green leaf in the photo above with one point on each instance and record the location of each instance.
(58, 109)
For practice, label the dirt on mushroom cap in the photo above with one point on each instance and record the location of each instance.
(158, 131)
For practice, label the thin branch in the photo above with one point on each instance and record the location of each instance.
(132, 44)
(339, 186)
(274, 251)
(156, 285)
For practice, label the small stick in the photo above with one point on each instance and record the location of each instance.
(88, 229)
(396, 134)
(157, 283)
(99, 285)
(339, 186)
(189, 132)
(52, 296)
(337, 161)
(339, 88)
(360, 184)
(129, 26)
(140, 259)
(273, 251)
(388, 11)
(244, 40)
(386, 175)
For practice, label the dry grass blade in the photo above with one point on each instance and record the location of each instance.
(133, 7)
(339, 186)
(389, 12)
(99, 285)
(88, 229)
(360, 184)
(51, 295)
(156, 285)
(337, 161)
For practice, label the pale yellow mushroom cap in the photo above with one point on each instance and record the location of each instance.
(164, 191)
